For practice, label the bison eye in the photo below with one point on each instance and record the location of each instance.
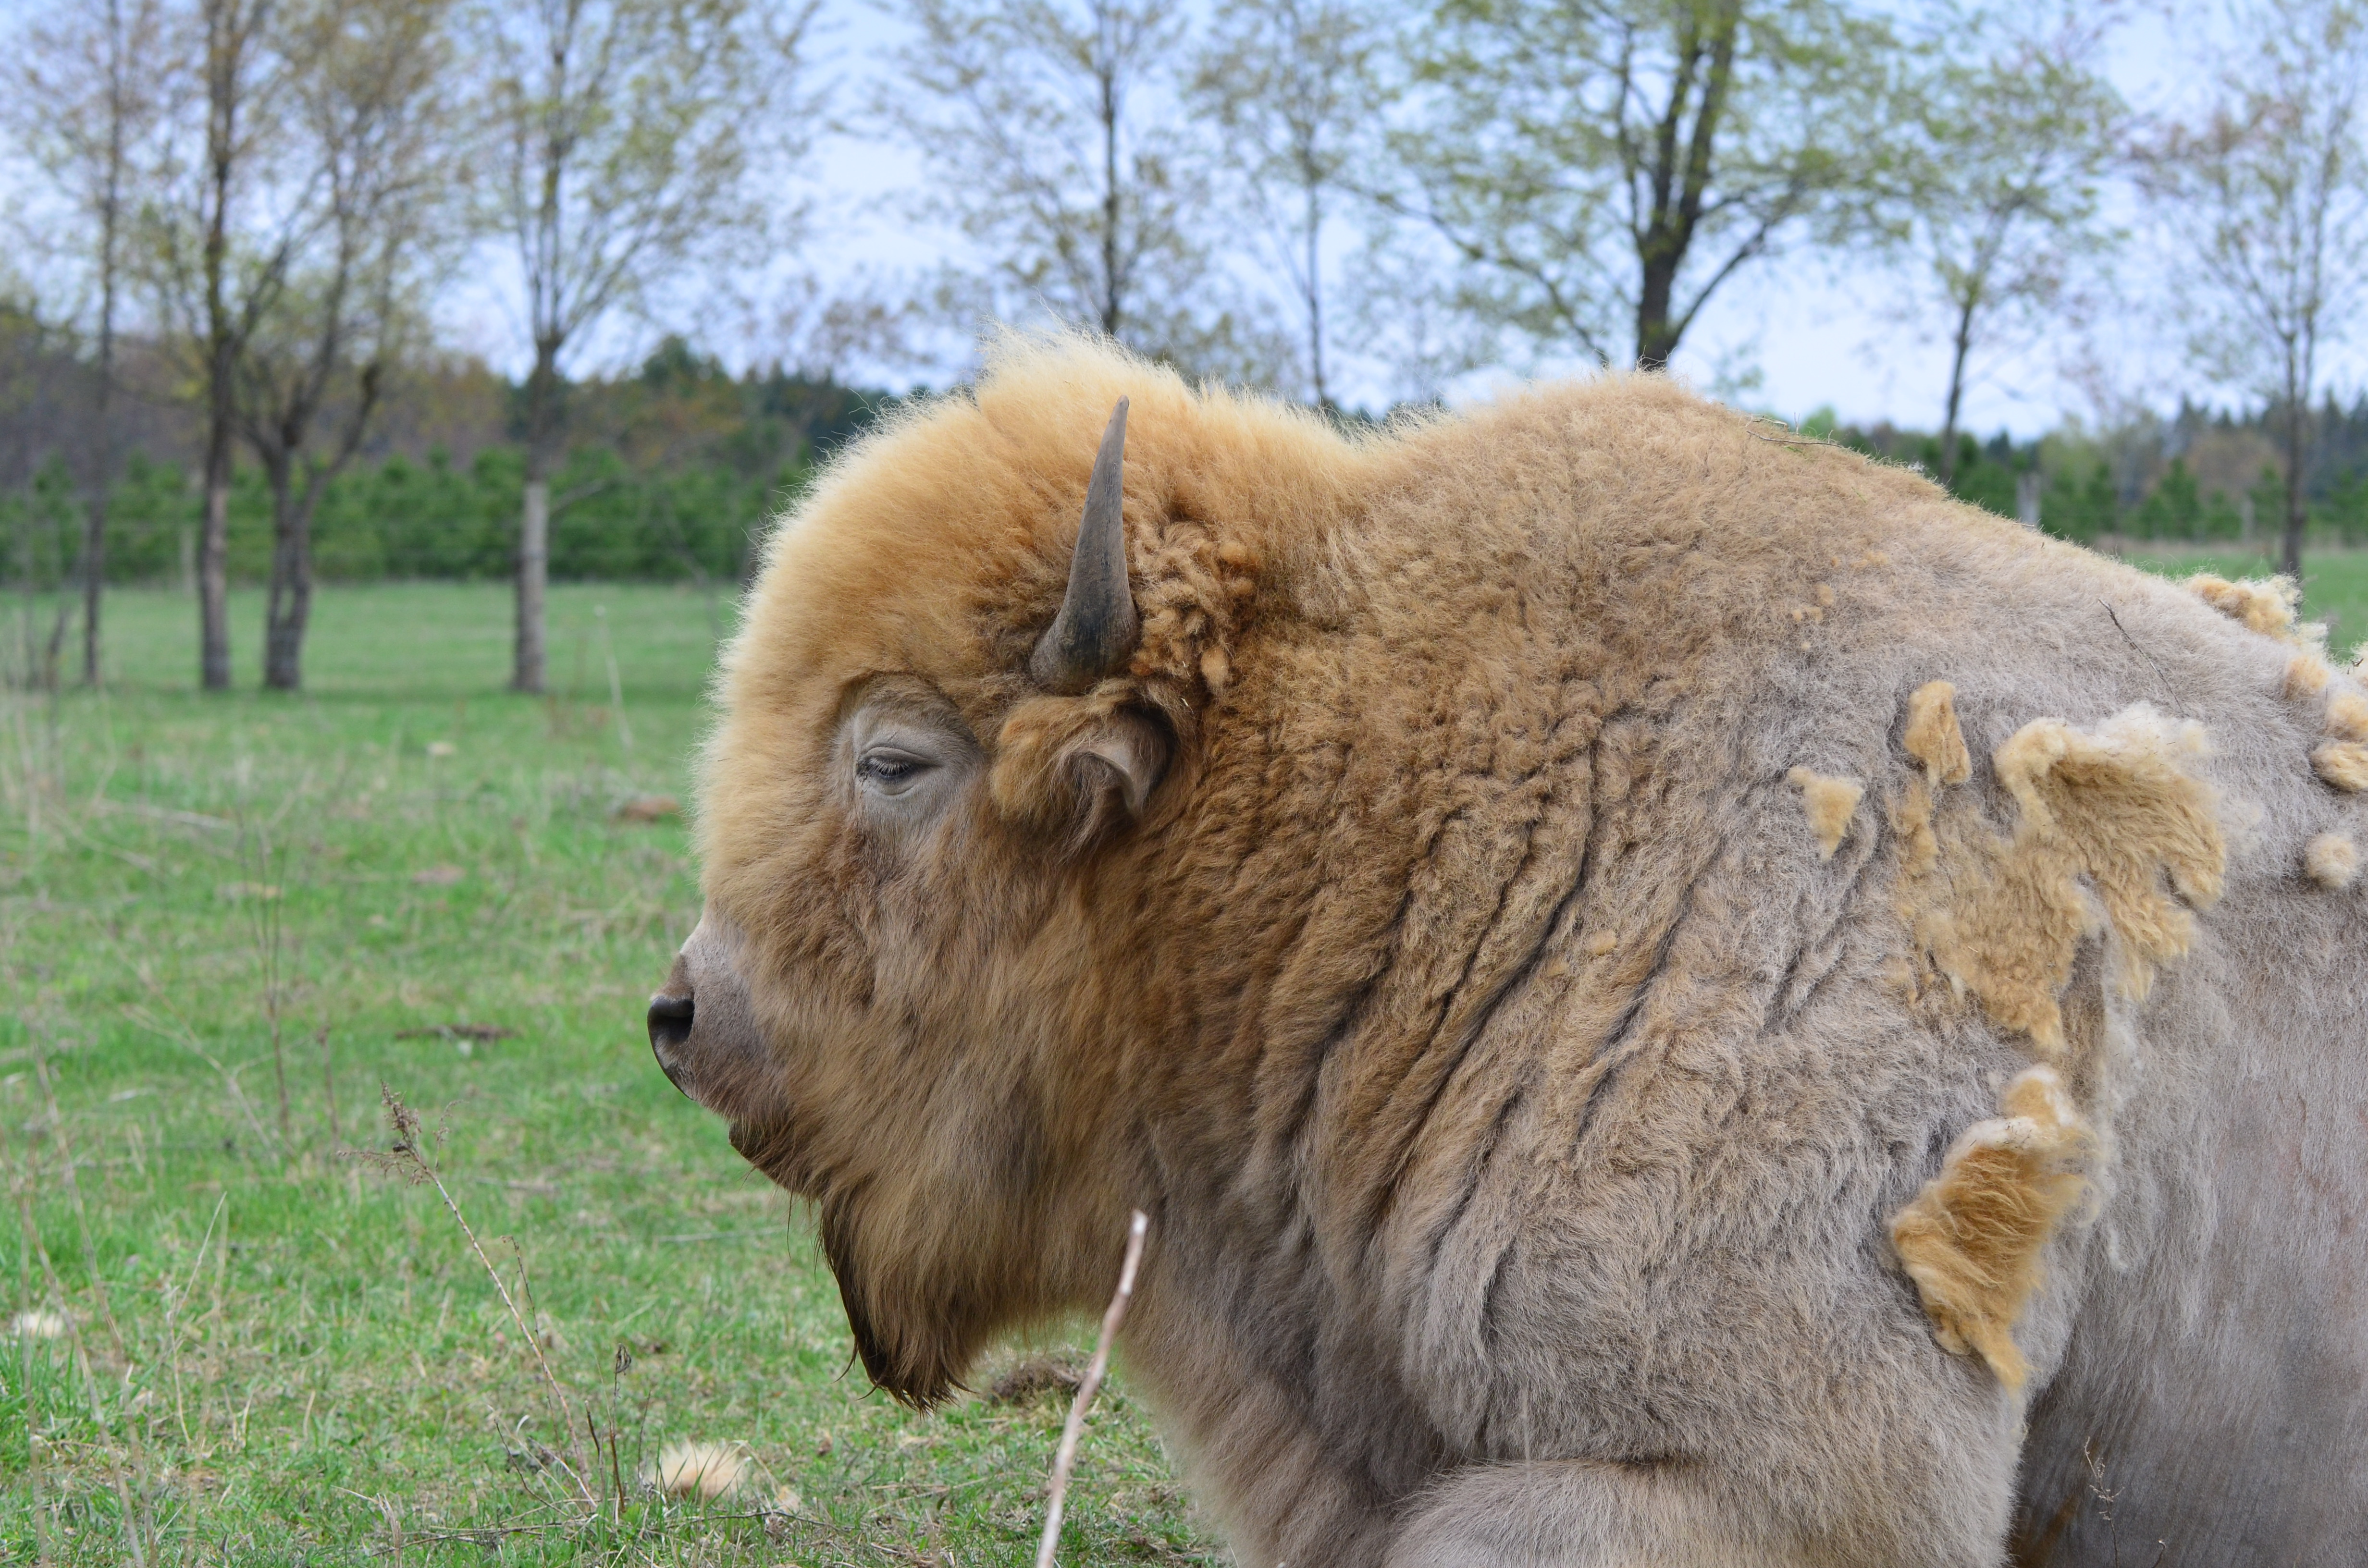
(890, 772)
(908, 756)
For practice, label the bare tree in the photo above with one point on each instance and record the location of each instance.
(369, 115)
(2265, 195)
(1050, 132)
(1603, 167)
(38, 358)
(89, 94)
(221, 233)
(1293, 89)
(624, 134)
(238, 83)
(2004, 185)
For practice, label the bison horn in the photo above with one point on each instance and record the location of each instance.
(1097, 628)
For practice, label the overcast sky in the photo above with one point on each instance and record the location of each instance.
(1791, 335)
(1811, 330)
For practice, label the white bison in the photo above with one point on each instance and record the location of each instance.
(1674, 996)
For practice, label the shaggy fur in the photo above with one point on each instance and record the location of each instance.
(2266, 605)
(1829, 802)
(1932, 736)
(1423, 931)
(2343, 764)
(1973, 1239)
(2332, 860)
(2307, 676)
(2347, 716)
(2111, 823)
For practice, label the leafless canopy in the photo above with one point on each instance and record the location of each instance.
(2264, 193)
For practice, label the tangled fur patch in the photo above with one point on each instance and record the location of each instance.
(1972, 1238)
(2112, 824)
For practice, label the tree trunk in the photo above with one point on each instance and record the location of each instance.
(542, 428)
(52, 652)
(94, 551)
(1655, 341)
(2290, 562)
(1678, 194)
(94, 539)
(543, 444)
(1315, 296)
(533, 569)
(213, 538)
(283, 655)
(94, 564)
(1963, 343)
(213, 569)
(1113, 309)
(289, 604)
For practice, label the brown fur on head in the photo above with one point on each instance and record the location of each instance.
(943, 998)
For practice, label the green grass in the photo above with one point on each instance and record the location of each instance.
(276, 1351)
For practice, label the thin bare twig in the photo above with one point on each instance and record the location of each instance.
(329, 1087)
(1066, 1459)
(407, 1159)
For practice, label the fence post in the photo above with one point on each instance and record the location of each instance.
(2026, 497)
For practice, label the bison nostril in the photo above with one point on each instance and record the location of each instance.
(670, 1021)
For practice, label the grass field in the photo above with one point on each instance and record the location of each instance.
(225, 923)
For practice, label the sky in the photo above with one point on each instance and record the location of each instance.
(1792, 335)
(1795, 334)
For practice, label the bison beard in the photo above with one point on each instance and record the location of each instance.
(1554, 912)
(910, 1384)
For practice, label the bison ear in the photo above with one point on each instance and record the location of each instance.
(1077, 771)
(1113, 765)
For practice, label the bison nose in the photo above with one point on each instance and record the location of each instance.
(670, 1019)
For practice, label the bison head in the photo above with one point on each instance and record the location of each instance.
(957, 723)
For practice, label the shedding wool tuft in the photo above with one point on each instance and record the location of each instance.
(1972, 1238)
(2343, 764)
(2265, 605)
(2116, 811)
(1933, 737)
(700, 1470)
(2332, 860)
(2307, 676)
(1829, 802)
(2347, 716)
(38, 1323)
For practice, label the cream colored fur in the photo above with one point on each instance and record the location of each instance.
(1932, 736)
(1829, 802)
(2332, 860)
(1973, 1239)
(2111, 824)
(1521, 1093)
(2265, 605)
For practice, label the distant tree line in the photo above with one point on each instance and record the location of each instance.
(243, 220)
(680, 467)
(2202, 476)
